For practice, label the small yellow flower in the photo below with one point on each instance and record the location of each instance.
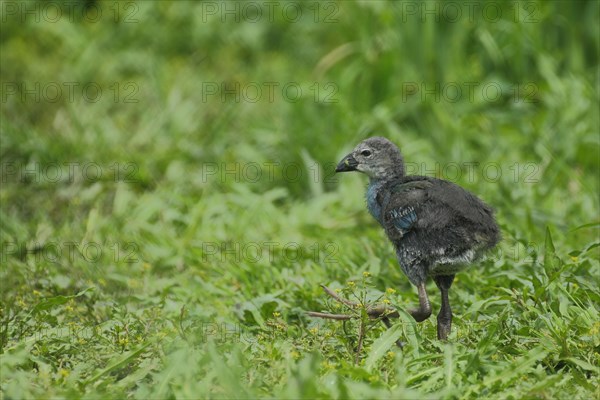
(351, 284)
(63, 373)
(366, 274)
(276, 314)
(391, 354)
(314, 331)
(386, 301)
(390, 290)
(574, 259)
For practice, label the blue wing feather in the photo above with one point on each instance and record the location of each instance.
(403, 219)
(399, 202)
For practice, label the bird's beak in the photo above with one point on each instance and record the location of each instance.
(348, 163)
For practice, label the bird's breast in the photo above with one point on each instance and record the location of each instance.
(372, 204)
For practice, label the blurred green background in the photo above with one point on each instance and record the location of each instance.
(167, 178)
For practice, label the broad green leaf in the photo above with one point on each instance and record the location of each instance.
(382, 344)
(50, 302)
(119, 362)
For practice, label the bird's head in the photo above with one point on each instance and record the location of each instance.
(376, 157)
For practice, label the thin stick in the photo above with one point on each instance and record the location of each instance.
(338, 298)
(361, 335)
(379, 311)
(382, 310)
(373, 312)
(339, 317)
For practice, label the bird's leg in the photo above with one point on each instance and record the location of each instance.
(444, 318)
(424, 310)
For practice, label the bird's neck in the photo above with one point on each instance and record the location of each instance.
(382, 180)
(386, 174)
(376, 184)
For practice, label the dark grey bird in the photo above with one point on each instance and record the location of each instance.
(437, 227)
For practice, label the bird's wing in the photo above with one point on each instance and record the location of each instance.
(401, 202)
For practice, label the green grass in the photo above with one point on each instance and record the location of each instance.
(161, 241)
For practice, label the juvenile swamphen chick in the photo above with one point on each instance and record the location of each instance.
(436, 227)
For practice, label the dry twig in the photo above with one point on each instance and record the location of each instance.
(375, 311)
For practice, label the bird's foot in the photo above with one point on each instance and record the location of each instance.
(443, 329)
(420, 315)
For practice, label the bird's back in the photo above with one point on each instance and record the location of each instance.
(433, 221)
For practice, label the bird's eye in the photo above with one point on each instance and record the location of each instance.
(366, 153)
